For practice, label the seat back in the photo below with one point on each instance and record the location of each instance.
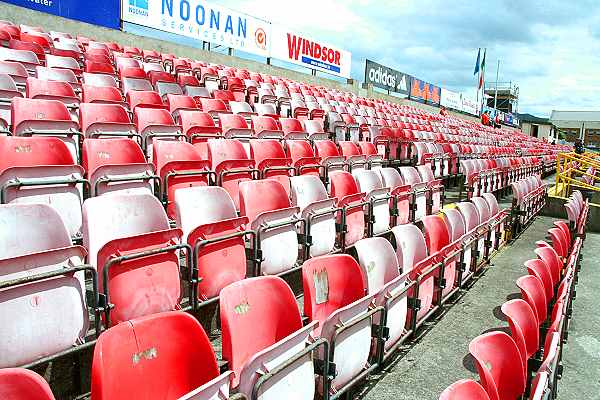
(255, 314)
(465, 389)
(20, 383)
(130, 359)
(378, 262)
(524, 328)
(532, 291)
(436, 232)
(499, 365)
(411, 247)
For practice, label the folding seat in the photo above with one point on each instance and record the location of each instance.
(39, 265)
(29, 162)
(476, 232)
(268, 110)
(8, 91)
(293, 128)
(435, 187)
(53, 61)
(231, 164)
(53, 90)
(99, 120)
(67, 47)
(144, 276)
(369, 150)
(559, 242)
(271, 161)
(421, 193)
(177, 103)
(329, 154)
(280, 346)
(382, 278)
(266, 126)
(344, 188)
(524, 329)
(314, 129)
(26, 58)
(267, 206)
(235, 126)
(552, 260)
(17, 72)
(179, 165)
(133, 84)
(354, 158)
(214, 107)
(155, 124)
(401, 196)
(116, 164)
(20, 383)
(378, 196)
(32, 117)
(465, 389)
(499, 365)
(497, 220)
(199, 127)
(99, 80)
(23, 52)
(439, 243)
(168, 88)
(564, 227)
(197, 92)
(99, 65)
(533, 292)
(144, 99)
(140, 350)
(334, 295)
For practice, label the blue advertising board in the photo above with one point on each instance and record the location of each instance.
(105, 13)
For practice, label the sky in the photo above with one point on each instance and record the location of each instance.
(551, 48)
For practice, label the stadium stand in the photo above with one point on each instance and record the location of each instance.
(139, 188)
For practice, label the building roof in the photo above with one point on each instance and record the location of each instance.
(580, 116)
(533, 118)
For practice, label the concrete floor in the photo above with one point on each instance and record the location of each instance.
(440, 356)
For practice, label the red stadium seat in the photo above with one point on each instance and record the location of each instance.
(19, 383)
(179, 165)
(334, 295)
(130, 360)
(524, 328)
(116, 164)
(465, 389)
(532, 291)
(499, 365)
(231, 164)
(344, 188)
(267, 206)
(269, 302)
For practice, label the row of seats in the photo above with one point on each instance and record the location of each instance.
(529, 197)
(496, 175)
(577, 209)
(400, 285)
(527, 363)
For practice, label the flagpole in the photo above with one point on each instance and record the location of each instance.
(482, 88)
(496, 94)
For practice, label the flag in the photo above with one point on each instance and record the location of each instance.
(477, 62)
(481, 78)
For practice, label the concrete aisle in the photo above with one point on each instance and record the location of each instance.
(441, 356)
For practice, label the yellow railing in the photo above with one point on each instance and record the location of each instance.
(572, 172)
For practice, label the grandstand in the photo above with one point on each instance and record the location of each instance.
(178, 228)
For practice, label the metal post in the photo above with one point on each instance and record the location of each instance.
(496, 90)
